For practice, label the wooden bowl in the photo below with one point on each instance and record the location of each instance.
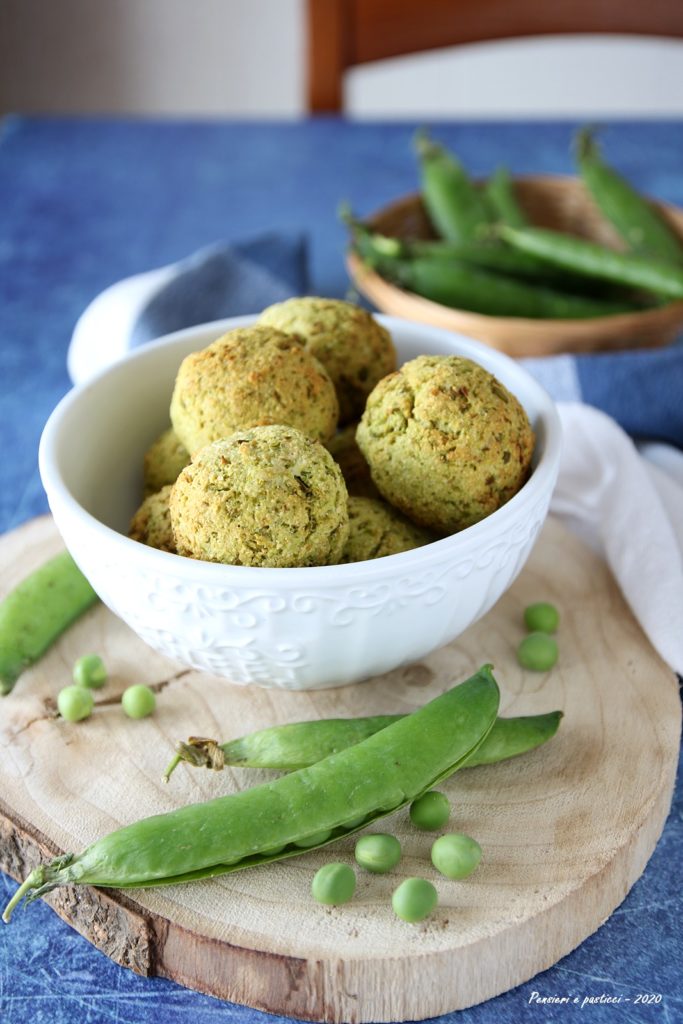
(561, 203)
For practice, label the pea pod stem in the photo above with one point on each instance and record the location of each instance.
(37, 612)
(636, 220)
(299, 744)
(307, 808)
(594, 260)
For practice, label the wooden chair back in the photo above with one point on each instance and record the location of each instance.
(345, 33)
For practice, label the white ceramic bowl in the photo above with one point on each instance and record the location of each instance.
(290, 628)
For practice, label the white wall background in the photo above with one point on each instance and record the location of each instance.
(247, 58)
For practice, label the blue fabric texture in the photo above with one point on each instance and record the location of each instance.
(642, 390)
(86, 203)
(226, 280)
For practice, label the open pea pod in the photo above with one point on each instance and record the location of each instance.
(305, 809)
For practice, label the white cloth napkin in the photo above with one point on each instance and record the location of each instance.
(632, 513)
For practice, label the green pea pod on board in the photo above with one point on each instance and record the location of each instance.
(594, 260)
(305, 809)
(636, 220)
(37, 612)
(456, 207)
(299, 744)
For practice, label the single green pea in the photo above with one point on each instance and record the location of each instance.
(430, 811)
(538, 652)
(414, 899)
(90, 671)
(456, 855)
(333, 884)
(138, 701)
(314, 840)
(75, 703)
(541, 617)
(378, 853)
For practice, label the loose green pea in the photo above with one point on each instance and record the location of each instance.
(414, 899)
(75, 703)
(541, 617)
(456, 855)
(378, 853)
(90, 671)
(430, 811)
(538, 652)
(333, 884)
(138, 701)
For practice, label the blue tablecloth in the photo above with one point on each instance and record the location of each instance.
(84, 203)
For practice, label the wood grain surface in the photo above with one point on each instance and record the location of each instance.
(565, 830)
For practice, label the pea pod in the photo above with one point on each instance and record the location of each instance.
(307, 808)
(455, 205)
(382, 253)
(636, 220)
(500, 193)
(37, 612)
(375, 248)
(462, 287)
(594, 260)
(299, 744)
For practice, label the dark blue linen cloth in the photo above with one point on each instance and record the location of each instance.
(86, 203)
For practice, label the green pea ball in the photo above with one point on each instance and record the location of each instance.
(456, 855)
(430, 811)
(541, 617)
(90, 671)
(138, 701)
(333, 884)
(537, 652)
(75, 703)
(378, 853)
(414, 899)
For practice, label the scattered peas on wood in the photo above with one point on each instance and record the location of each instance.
(414, 899)
(90, 671)
(75, 703)
(430, 811)
(456, 855)
(333, 884)
(538, 652)
(138, 701)
(378, 853)
(541, 617)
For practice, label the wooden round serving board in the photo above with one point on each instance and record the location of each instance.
(565, 830)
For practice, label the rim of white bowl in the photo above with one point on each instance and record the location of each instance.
(542, 477)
